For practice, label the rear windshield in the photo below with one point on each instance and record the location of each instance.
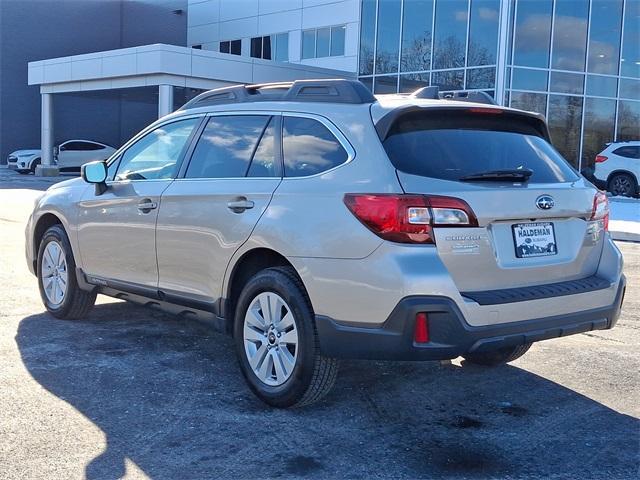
(450, 146)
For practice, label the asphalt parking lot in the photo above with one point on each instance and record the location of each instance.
(130, 392)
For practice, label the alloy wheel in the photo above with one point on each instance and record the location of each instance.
(270, 338)
(621, 186)
(55, 276)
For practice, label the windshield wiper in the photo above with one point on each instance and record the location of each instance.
(499, 175)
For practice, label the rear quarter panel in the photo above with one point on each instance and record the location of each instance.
(307, 217)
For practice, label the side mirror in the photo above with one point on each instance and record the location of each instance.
(96, 173)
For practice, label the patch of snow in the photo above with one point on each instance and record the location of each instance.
(624, 218)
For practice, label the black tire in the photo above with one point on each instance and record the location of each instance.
(23, 172)
(313, 374)
(76, 303)
(497, 357)
(622, 184)
(34, 165)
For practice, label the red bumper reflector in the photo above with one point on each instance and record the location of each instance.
(421, 332)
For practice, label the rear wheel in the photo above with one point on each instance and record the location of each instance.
(622, 184)
(59, 288)
(23, 172)
(277, 343)
(497, 357)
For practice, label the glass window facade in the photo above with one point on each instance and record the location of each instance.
(532, 33)
(388, 36)
(604, 36)
(417, 21)
(570, 35)
(630, 59)
(575, 61)
(323, 42)
(450, 34)
(483, 32)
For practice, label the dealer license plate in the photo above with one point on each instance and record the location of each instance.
(534, 239)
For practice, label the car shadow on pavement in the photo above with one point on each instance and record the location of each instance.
(169, 396)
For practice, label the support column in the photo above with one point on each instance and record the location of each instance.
(46, 167)
(165, 100)
(503, 48)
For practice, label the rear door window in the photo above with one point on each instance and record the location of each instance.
(81, 146)
(628, 152)
(266, 159)
(227, 145)
(449, 146)
(309, 147)
(89, 146)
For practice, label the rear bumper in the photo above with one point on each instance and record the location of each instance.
(450, 335)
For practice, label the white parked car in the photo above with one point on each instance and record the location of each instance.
(69, 156)
(617, 168)
(24, 161)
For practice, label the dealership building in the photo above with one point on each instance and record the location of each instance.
(575, 61)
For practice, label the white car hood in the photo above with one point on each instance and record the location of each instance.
(25, 152)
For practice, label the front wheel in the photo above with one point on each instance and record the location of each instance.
(497, 357)
(34, 165)
(59, 288)
(277, 343)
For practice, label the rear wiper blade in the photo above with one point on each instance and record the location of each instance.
(498, 175)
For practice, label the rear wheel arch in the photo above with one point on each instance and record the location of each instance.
(249, 264)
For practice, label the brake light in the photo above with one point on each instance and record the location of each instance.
(601, 158)
(600, 209)
(489, 111)
(421, 329)
(409, 218)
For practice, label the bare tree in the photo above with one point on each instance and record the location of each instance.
(417, 56)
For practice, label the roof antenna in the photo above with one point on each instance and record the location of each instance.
(427, 92)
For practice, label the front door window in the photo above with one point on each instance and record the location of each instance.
(155, 156)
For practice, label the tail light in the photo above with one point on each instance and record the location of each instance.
(409, 218)
(600, 209)
(601, 158)
(421, 329)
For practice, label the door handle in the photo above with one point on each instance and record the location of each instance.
(146, 205)
(240, 205)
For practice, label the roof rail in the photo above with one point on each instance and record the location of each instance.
(323, 90)
(433, 93)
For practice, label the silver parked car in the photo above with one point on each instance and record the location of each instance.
(314, 222)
